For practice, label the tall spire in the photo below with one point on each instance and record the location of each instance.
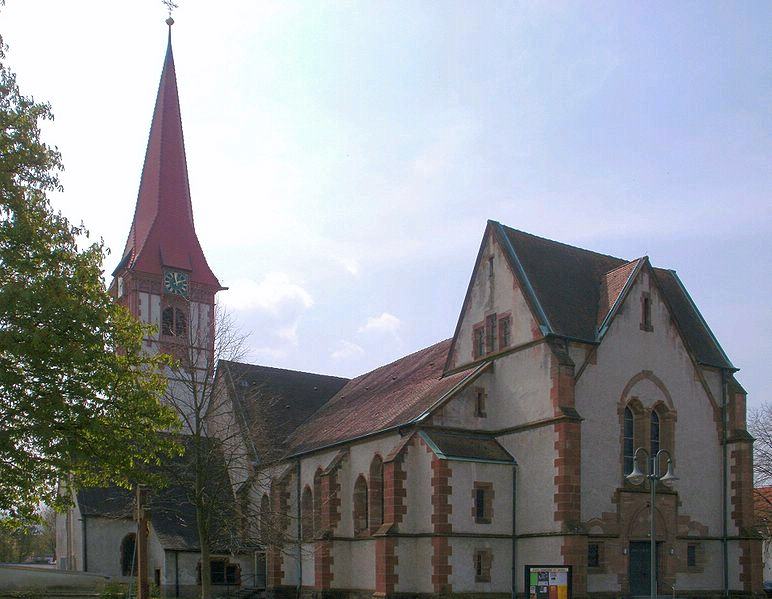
(162, 233)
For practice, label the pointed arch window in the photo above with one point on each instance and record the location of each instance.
(307, 514)
(628, 440)
(318, 500)
(361, 500)
(376, 493)
(654, 437)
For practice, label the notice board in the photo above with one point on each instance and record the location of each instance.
(548, 582)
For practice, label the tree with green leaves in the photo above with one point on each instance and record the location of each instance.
(79, 398)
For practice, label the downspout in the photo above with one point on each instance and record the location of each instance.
(176, 573)
(725, 476)
(514, 531)
(85, 544)
(300, 532)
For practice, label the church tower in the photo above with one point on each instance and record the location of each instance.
(163, 277)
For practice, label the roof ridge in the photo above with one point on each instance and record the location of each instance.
(400, 359)
(628, 263)
(274, 368)
(575, 247)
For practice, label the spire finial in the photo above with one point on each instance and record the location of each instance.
(170, 6)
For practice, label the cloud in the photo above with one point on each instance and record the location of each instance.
(385, 323)
(345, 350)
(351, 264)
(274, 292)
(289, 332)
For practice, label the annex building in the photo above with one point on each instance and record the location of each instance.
(448, 471)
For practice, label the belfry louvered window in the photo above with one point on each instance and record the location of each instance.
(174, 322)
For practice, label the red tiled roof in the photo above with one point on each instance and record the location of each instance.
(611, 285)
(387, 397)
(162, 232)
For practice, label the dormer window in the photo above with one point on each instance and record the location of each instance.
(646, 313)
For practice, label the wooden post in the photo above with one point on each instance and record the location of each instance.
(143, 586)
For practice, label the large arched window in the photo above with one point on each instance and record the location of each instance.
(376, 493)
(360, 505)
(628, 440)
(129, 555)
(654, 437)
(307, 514)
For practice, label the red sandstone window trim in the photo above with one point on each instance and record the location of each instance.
(482, 502)
(478, 340)
(483, 560)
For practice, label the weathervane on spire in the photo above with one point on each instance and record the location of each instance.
(170, 6)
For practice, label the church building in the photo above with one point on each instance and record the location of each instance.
(463, 467)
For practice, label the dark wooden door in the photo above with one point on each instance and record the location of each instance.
(639, 570)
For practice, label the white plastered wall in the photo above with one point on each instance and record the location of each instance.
(626, 351)
(418, 465)
(518, 393)
(499, 294)
(414, 565)
(353, 560)
(535, 452)
(462, 578)
(104, 537)
(465, 474)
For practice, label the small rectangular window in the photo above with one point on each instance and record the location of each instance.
(490, 333)
(593, 555)
(482, 511)
(479, 504)
(479, 342)
(482, 565)
(691, 556)
(490, 266)
(646, 313)
(505, 324)
(217, 571)
(479, 402)
(232, 574)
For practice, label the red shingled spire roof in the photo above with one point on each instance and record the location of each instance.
(162, 233)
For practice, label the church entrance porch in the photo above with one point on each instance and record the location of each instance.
(639, 571)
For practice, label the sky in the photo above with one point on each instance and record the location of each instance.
(344, 157)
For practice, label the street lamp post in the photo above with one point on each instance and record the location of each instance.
(637, 477)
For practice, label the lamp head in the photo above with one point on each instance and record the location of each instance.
(636, 477)
(670, 476)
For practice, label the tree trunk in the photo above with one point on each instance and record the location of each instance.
(206, 582)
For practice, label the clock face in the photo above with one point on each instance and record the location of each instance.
(176, 282)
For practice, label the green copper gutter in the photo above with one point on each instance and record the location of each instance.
(438, 452)
(702, 321)
(545, 326)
